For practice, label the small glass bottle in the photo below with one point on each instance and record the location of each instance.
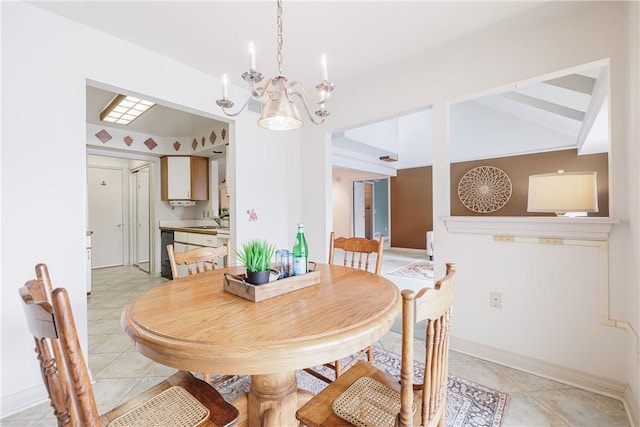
(300, 253)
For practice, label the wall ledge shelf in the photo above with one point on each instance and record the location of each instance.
(584, 228)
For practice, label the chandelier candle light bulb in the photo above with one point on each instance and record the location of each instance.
(325, 74)
(225, 82)
(252, 56)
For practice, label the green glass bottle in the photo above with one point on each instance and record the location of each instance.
(300, 253)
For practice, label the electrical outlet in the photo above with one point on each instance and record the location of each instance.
(550, 241)
(495, 299)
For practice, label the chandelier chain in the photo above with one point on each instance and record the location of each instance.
(279, 38)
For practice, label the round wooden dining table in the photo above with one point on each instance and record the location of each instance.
(192, 324)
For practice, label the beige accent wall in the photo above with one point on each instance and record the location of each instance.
(411, 196)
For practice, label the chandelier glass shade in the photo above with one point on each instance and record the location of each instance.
(280, 111)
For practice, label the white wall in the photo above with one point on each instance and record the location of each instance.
(46, 63)
(43, 178)
(383, 135)
(342, 198)
(414, 132)
(264, 171)
(566, 35)
(632, 119)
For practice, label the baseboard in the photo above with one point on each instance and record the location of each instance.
(574, 378)
(408, 250)
(25, 399)
(631, 406)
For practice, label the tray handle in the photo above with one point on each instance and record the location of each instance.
(229, 276)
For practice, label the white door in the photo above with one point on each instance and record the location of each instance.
(358, 209)
(142, 218)
(106, 216)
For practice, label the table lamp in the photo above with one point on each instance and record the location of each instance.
(563, 193)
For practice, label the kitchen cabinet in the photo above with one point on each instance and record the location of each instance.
(196, 240)
(184, 178)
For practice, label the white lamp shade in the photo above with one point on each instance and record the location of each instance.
(563, 192)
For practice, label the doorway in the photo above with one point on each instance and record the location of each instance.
(141, 254)
(371, 209)
(363, 211)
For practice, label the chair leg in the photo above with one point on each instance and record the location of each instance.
(221, 380)
(338, 365)
(207, 378)
(370, 354)
(441, 421)
(318, 375)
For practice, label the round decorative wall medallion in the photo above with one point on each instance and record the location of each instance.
(484, 189)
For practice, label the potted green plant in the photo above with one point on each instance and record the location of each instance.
(256, 256)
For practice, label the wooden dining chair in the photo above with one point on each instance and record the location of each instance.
(180, 400)
(357, 252)
(365, 395)
(200, 259)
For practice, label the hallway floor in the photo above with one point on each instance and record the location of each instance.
(120, 372)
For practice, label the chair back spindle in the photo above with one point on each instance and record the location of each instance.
(357, 252)
(434, 306)
(62, 363)
(201, 259)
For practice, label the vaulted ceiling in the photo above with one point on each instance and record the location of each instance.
(565, 112)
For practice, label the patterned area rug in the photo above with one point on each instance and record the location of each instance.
(422, 269)
(468, 404)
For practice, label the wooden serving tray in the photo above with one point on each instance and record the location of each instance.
(238, 285)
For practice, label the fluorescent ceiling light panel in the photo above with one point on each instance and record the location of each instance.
(124, 109)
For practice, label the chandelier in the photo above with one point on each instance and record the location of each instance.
(280, 111)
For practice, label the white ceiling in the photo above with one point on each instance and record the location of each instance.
(158, 121)
(356, 36)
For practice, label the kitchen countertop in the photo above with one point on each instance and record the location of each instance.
(214, 231)
(204, 226)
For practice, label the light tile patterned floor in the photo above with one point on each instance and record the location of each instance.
(121, 372)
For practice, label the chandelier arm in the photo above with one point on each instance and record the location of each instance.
(259, 92)
(306, 107)
(306, 94)
(254, 94)
(224, 109)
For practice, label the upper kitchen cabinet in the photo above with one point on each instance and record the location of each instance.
(184, 178)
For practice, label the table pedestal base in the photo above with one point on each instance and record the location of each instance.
(272, 401)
